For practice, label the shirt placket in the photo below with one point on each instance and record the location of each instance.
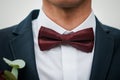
(69, 62)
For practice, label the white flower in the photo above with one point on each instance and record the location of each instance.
(15, 64)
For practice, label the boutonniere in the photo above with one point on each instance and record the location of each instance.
(13, 74)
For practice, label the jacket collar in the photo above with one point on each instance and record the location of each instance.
(26, 23)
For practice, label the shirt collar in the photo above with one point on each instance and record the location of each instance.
(43, 20)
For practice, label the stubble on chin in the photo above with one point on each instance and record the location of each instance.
(66, 4)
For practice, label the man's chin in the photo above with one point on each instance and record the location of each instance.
(67, 5)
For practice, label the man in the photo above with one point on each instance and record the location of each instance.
(64, 61)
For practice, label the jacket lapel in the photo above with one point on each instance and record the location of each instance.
(104, 44)
(22, 47)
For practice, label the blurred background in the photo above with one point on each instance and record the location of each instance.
(14, 11)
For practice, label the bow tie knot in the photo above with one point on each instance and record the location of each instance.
(82, 40)
(64, 39)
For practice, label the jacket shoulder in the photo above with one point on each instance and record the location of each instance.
(5, 34)
(112, 31)
(115, 34)
(7, 31)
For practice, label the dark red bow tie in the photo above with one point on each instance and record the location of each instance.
(82, 40)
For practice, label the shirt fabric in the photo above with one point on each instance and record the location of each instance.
(63, 62)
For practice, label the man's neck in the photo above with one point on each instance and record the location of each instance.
(68, 18)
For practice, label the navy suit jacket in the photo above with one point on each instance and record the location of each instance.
(17, 42)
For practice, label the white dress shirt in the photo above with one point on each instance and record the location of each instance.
(62, 62)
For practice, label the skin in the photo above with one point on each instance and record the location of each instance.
(67, 13)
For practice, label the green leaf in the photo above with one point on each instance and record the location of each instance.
(15, 64)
